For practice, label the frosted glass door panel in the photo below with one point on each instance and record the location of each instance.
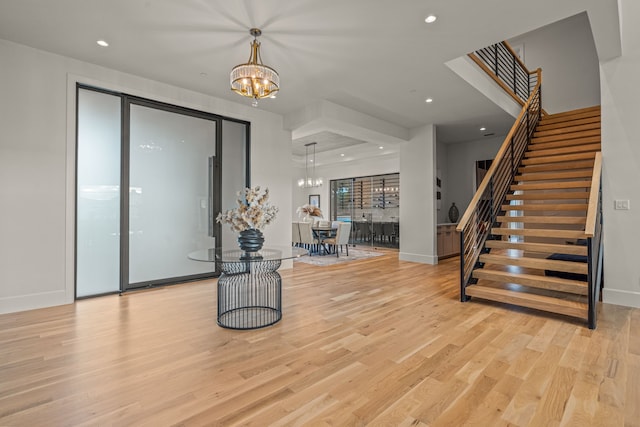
(169, 193)
(98, 194)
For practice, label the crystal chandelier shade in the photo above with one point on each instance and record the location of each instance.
(254, 79)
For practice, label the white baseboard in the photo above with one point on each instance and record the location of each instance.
(620, 297)
(33, 301)
(423, 259)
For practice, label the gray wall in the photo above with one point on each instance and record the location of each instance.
(566, 52)
(460, 171)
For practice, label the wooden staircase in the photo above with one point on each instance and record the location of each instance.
(543, 215)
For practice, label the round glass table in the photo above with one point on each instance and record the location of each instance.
(249, 286)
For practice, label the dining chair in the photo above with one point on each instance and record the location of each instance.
(362, 231)
(323, 223)
(306, 237)
(295, 234)
(377, 231)
(341, 239)
(388, 231)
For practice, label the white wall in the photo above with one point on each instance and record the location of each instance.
(37, 114)
(461, 167)
(418, 197)
(566, 52)
(621, 163)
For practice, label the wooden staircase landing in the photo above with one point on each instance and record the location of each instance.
(544, 217)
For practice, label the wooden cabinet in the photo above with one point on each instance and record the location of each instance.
(448, 241)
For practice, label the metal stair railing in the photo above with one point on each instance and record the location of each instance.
(502, 63)
(477, 221)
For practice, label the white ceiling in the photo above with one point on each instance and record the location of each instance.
(376, 57)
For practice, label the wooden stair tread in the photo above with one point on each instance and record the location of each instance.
(575, 122)
(539, 263)
(590, 108)
(543, 219)
(566, 136)
(535, 281)
(539, 302)
(568, 128)
(550, 120)
(554, 175)
(572, 165)
(551, 185)
(567, 115)
(558, 158)
(547, 207)
(564, 150)
(538, 232)
(562, 195)
(547, 248)
(566, 143)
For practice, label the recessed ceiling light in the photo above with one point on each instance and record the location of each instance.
(428, 100)
(430, 19)
(381, 147)
(342, 155)
(483, 128)
(102, 43)
(203, 74)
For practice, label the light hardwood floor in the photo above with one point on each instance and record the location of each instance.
(377, 342)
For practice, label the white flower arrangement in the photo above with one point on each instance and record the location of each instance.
(310, 210)
(253, 211)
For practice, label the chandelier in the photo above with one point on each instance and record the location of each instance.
(310, 181)
(254, 79)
